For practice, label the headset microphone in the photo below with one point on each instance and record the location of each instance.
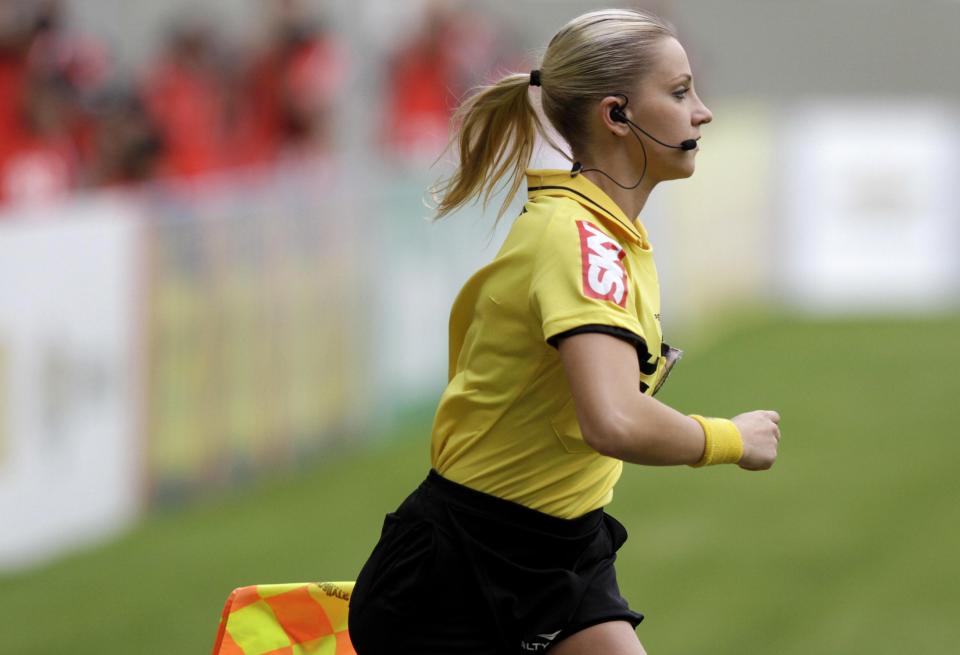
(616, 114)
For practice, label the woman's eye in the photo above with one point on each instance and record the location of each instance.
(679, 95)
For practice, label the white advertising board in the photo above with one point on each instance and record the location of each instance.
(871, 207)
(69, 457)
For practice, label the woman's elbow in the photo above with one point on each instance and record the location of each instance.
(609, 434)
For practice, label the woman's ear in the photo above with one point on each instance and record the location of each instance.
(613, 114)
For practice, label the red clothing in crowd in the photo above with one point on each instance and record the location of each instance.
(38, 159)
(187, 106)
(420, 101)
(291, 92)
(12, 73)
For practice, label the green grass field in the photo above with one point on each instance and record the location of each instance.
(850, 544)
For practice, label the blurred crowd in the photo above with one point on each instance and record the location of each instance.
(69, 119)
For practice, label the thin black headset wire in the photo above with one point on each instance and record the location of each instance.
(643, 172)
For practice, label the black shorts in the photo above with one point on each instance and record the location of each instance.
(460, 571)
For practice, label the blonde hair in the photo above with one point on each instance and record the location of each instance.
(593, 56)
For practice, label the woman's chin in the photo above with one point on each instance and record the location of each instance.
(683, 172)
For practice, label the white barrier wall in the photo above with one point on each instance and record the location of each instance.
(69, 453)
(257, 333)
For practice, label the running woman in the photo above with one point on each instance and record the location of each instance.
(555, 354)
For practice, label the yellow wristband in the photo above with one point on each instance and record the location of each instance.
(723, 443)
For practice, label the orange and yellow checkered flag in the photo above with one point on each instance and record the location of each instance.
(286, 619)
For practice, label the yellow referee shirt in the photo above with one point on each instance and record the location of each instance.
(506, 425)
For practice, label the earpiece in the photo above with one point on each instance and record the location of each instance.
(617, 115)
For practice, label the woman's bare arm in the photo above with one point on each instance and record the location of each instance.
(618, 421)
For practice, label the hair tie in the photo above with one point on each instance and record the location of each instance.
(535, 78)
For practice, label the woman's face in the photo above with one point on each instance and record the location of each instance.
(666, 105)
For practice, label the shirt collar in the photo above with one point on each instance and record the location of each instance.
(543, 182)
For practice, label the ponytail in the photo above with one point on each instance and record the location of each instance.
(495, 139)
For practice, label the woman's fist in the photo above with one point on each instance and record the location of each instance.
(761, 435)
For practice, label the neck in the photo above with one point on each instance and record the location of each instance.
(630, 201)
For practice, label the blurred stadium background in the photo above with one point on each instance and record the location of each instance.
(223, 315)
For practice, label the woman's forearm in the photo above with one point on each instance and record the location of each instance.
(644, 430)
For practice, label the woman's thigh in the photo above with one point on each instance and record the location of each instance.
(610, 638)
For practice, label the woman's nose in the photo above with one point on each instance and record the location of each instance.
(704, 115)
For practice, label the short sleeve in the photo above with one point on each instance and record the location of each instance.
(580, 282)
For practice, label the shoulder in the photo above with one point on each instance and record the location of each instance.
(557, 224)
